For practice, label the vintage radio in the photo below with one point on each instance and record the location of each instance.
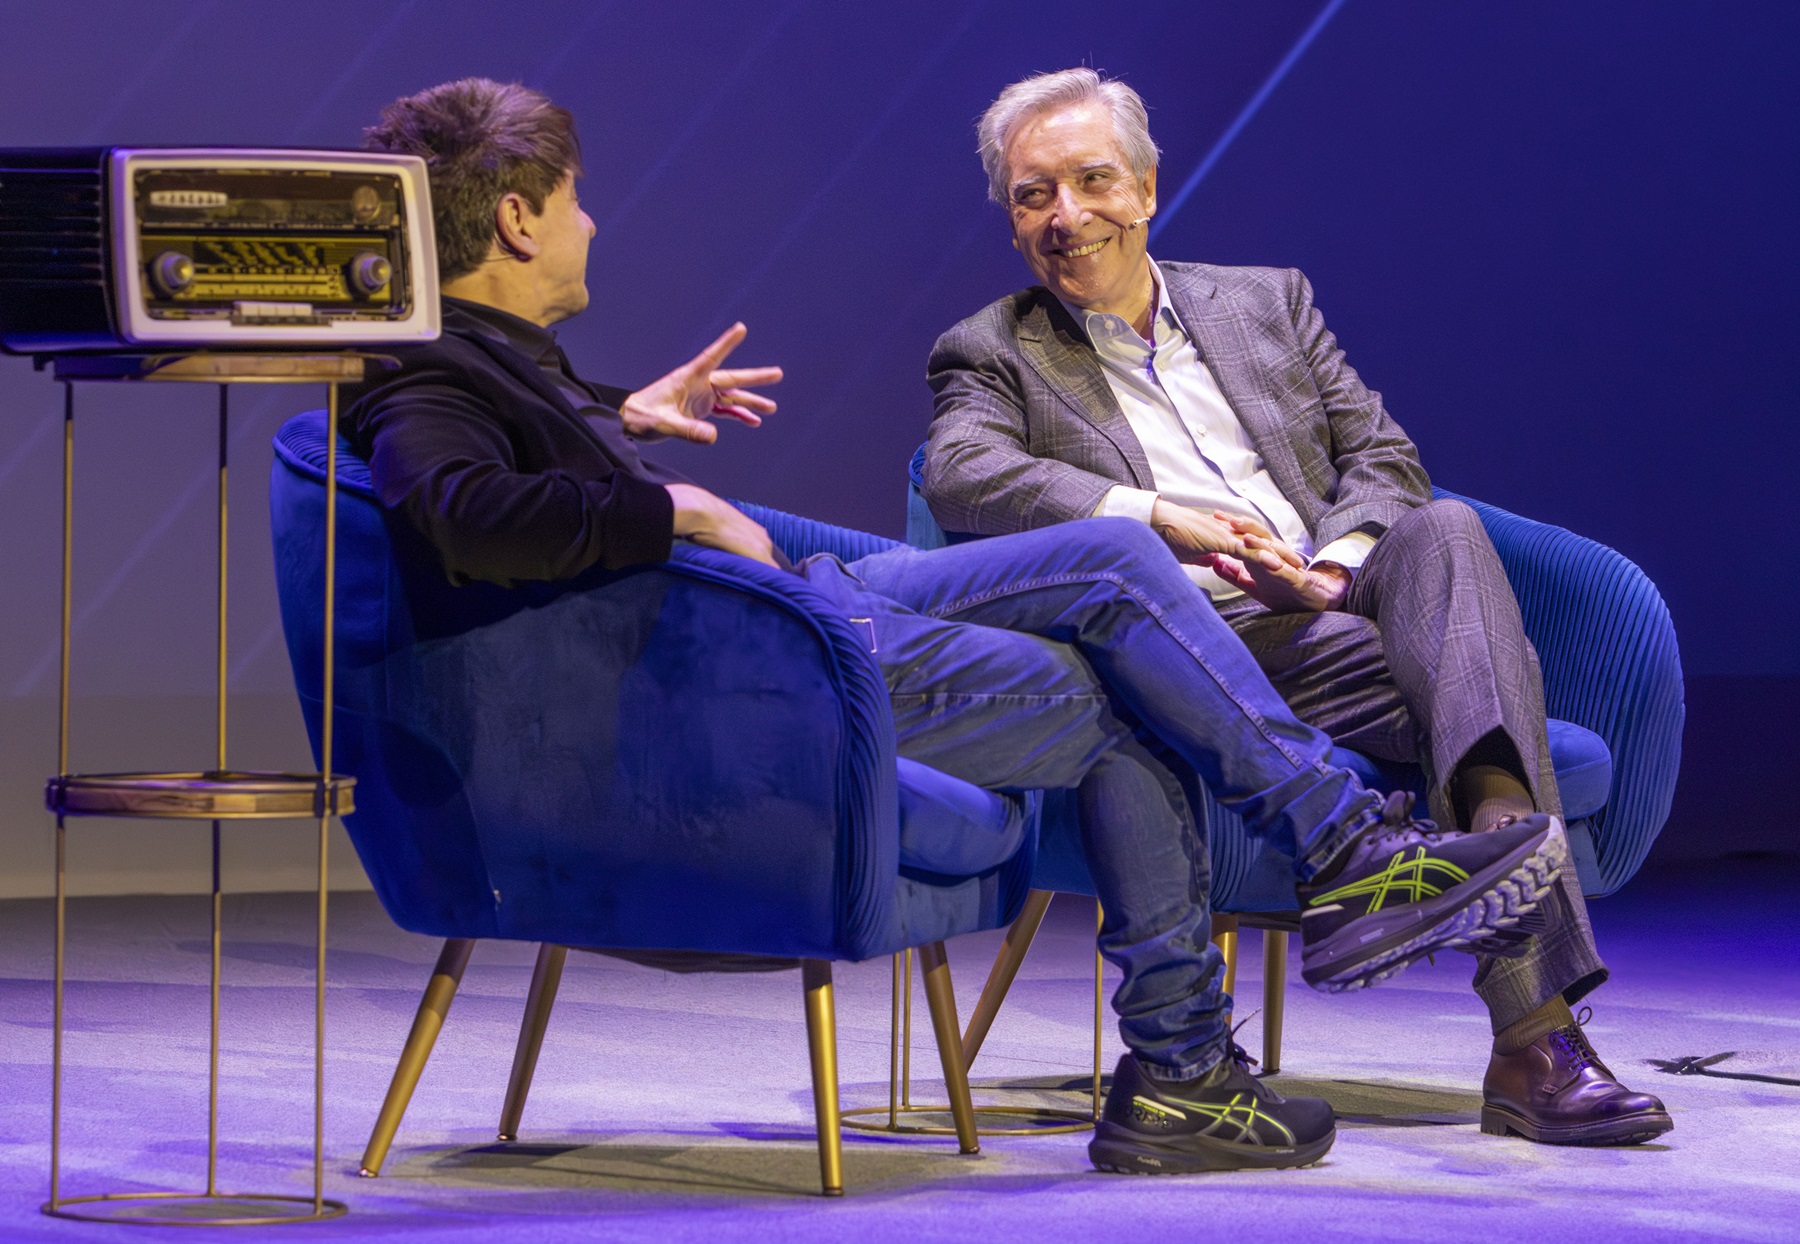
(180, 248)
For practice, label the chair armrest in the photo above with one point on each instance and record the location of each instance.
(802, 537)
(1610, 661)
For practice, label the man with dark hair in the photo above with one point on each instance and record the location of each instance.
(485, 139)
(1212, 406)
(512, 238)
(1074, 659)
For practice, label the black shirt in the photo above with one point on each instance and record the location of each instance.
(509, 465)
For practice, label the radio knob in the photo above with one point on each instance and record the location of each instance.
(368, 272)
(364, 203)
(171, 272)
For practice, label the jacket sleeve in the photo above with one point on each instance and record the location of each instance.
(440, 462)
(1379, 476)
(980, 473)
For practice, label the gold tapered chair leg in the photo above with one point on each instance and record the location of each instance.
(934, 965)
(1275, 954)
(545, 977)
(821, 1040)
(1225, 937)
(1000, 976)
(439, 993)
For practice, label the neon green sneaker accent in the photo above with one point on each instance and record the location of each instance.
(1403, 877)
(1240, 1112)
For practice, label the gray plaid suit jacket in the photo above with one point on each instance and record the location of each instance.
(1027, 431)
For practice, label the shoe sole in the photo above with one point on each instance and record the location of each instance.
(1631, 1129)
(1513, 942)
(1503, 892)
(1125, 1152)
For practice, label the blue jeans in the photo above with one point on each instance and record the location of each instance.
(1067, 658)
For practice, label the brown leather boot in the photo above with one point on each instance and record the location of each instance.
(1558, 1092)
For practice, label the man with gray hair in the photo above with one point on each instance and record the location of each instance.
(1212, 405)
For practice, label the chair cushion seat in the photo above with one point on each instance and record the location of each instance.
(949, 827)
(1584, 768)
(1582, 762)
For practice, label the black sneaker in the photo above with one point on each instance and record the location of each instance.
(1513, 942)
(1226, 1120)
(1404, 889)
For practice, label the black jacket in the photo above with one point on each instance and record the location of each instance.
(484, 453)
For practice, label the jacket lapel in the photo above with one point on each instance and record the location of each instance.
(515, 364)
(1219, 330)
(527, 373)
(1057, 348)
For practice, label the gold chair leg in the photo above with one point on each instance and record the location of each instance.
(821, 1040)
(439, 993)
(1275, 954)
(546, 975)
(1225, 937)
(902, 981)
(934, 965)
(906, 962)
(1000, 976)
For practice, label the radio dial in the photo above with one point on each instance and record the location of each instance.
(364, 203)
(171, 272)
(368, 272)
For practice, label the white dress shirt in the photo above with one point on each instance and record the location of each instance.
(1199, 452)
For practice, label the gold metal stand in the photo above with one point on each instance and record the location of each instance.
(1030, 1120)
(217, 794)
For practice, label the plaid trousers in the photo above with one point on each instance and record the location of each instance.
(1428, 657)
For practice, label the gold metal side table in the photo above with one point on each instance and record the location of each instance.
(218, 794)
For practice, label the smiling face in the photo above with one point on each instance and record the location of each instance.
(1074, 204)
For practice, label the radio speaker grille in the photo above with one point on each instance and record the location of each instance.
(53, 273)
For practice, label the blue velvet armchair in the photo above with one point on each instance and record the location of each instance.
(1613, 689)
(696, 757)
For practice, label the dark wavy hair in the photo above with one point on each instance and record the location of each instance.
(481, 140)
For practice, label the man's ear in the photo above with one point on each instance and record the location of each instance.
(1150, 192)
(514, 227)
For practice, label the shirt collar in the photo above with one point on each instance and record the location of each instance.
(1104, 326)
(534, 341)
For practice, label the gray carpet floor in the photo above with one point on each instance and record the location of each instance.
(674, 1107)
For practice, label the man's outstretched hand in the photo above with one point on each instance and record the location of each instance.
(684, 402)
(1274, 575)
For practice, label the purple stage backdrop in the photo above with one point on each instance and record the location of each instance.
(1559, 239)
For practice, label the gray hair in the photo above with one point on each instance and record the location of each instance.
(1046, 91)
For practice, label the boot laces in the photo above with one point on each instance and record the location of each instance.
(1573, 1042)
